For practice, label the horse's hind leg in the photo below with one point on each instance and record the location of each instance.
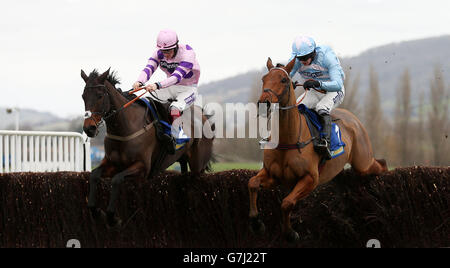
(363, 161)
(378, 166)
(199, 157)
(116, 181)
(383, 165)
(183, 164)
(262, 179)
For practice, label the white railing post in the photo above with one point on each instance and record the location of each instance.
(77, 155)
(32, 165)
(54, 154)
(25, 153)
(6, 157)
(87, 154)
(12, 147)
(60, 153)
(37, 159)
(18, 153)
(1, 154)
(72, 153)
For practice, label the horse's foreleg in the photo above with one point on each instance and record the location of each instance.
(116, 181)
(262, 179)
(93, 183)
(303, 187)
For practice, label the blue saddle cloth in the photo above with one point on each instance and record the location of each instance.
(166, 126)
(337, 145)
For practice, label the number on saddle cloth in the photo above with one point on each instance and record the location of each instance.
(315, 127)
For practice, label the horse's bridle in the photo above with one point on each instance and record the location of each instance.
(103, 114)
(299, 145)
(285, 90)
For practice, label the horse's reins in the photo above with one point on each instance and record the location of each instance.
(88, 115)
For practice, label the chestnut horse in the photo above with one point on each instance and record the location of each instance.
(131, 147)
(297, 169)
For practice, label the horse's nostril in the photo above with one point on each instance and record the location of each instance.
(90, 131)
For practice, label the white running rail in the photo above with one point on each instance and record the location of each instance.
(36, 151)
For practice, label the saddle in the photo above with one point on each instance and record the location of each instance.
(160, 112)
(315, 128)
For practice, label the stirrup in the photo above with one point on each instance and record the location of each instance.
(323, 143)
(324, 149)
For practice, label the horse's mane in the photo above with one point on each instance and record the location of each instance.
(114, 80)
(112, 77)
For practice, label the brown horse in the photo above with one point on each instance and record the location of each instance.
(297, 169)
(131, 147)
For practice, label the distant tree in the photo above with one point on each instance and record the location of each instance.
(402, 119)
(373, 115)
(438, 118)
(420, 139)
(351, 99)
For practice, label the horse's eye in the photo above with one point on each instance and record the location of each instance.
(284, 80)
(99, 96)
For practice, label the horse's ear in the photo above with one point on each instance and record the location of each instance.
(102, 78)
(84, 76)
(269, 64)
(290, 65)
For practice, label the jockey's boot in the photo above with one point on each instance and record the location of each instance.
(166, 139)
(324, 144)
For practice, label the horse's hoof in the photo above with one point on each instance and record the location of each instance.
(257, 226)
(292, 236)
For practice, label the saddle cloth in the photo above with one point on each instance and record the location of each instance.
(180, 142)
(315, 128)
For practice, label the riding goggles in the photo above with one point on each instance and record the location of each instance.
(305, 57)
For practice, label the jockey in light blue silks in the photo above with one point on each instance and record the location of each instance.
(321, 71)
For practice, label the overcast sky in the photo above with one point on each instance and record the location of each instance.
(45, 43)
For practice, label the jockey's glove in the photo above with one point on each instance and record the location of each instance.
(311, 84)
(137, 85)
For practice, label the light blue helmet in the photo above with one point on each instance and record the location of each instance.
(303, 45)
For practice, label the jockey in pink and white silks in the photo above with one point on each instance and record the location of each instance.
(179, 63)
(321, 71)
